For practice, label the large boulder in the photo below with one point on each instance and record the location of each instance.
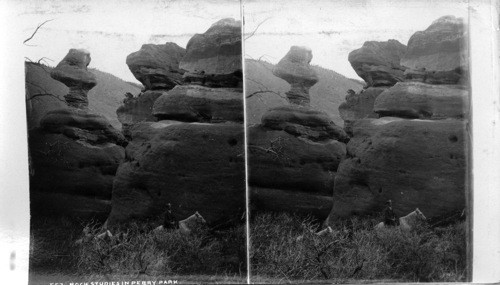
(415, 163)
(425, 101)
(137, 109)
(359, 106)
(295, 69)
(214, 58)
(438, 55)
(72, 71)
(157, 66)
(302, 121)
(378, 62)
(193, 166)
(192, 103)
(280, 160)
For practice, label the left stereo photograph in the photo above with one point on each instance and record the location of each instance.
(136, 142)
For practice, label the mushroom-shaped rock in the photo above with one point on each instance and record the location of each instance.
(214, 58)
(72, 71)
(157, 66)
(294, 68)
(438, 55)
(378, 62)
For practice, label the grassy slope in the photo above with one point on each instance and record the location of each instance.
(326, 95)
(104, 99)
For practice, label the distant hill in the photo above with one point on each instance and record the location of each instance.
(326, 95)
(104, 99)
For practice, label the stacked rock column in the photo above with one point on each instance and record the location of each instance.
(193, 155)
(415, 154)
(294, 153)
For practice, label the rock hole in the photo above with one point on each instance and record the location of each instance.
(380, 190)
(232, 141)
(453, 138)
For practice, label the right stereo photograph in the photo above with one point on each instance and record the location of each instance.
(358, 143)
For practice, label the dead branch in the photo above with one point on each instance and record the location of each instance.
(36, 30)
(253, 33)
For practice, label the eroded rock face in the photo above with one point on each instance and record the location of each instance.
(74, 157)
(72, 71)
(425, 101)
(378, 62)
(194, 166)
(191, 103)
(294, 68)
(157, 66)
(214, 58)
(415, 163)
(438, 55)
(137, 109)
(359, 106)
(303, 122)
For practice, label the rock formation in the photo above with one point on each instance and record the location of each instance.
(157, 66)
(191, 154)
(294, 68)
(378, 62)
(213, 59)
(295, 151)
(74, 153)
(137, 109)
(438, 55)
(72, 71)
(416, 153)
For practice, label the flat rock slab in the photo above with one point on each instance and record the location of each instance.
(157, 66)
(194, 103)
(193, 166)
(415, 163)
(425, 101)
(303, 121)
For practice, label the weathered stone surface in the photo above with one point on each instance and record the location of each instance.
(302, 121)
(359, 106)
(279, 160)
(76, 206)
(282, 200)
(137, 109)
(82, 126)
(214, 58)
(193, 103)
(194, 166)
(438, 55)
(157, 66)
(72, 71)
(63, 163)
(294, 68)
(378, 62)
(415, 163)
(420, 100)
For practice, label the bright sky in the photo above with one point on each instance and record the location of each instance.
(332, 29)
(111, 30)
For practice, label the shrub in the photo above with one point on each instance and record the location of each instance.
(285, 247)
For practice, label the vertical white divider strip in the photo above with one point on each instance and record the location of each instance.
(483, 21)
(247, 189)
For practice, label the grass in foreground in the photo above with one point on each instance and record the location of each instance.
(284, 248)
(136, 251)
